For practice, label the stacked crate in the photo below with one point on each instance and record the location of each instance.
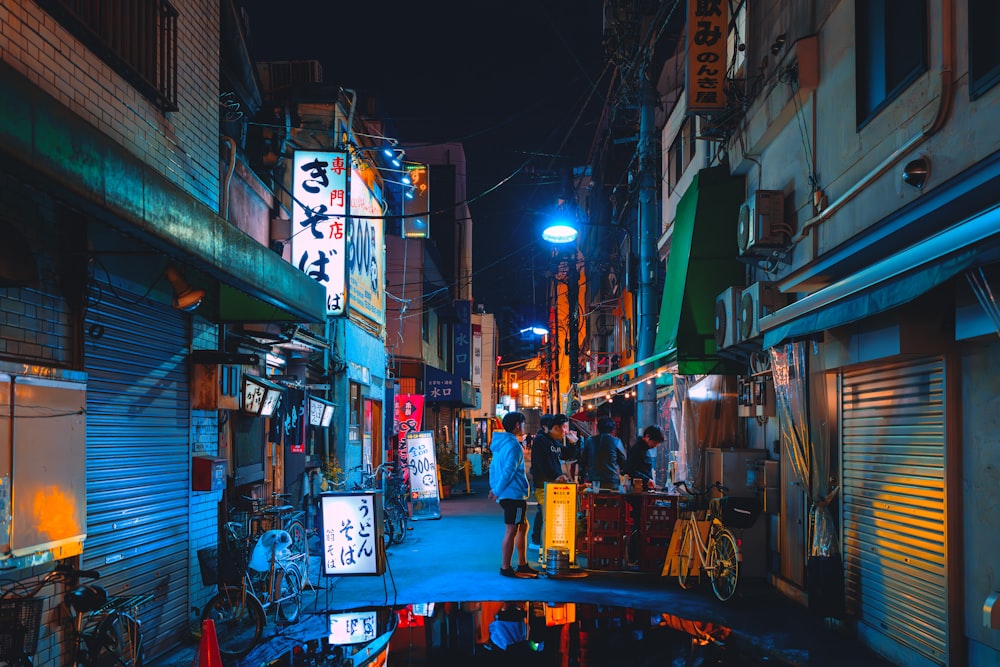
(606, 529)
(659, 513)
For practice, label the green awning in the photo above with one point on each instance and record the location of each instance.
(701, 265)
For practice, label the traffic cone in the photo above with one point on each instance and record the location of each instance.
(208, 649)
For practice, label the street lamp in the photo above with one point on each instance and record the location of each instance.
(562, 232)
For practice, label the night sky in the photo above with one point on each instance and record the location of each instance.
(518, 82)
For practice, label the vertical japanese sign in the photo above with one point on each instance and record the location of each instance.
(477, 355)
(365, 251)
(462, 347)
(353, 627)
(422, 460)
(417, 203)
(409, 416)
(352, 542)
(560, 518)
(708, 26)
(319, 237)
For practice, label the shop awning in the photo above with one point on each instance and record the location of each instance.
(701, 265)
(890, 282)
(48, 143)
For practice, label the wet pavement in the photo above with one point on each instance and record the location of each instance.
(454, 562)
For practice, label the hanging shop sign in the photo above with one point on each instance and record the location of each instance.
(366, 249)
(260, 396)
(417, 203)
(319, 234)
(462, 342)
(422, 462)
(352, 534)
(477, 355)
(708, 28)
(320, 412)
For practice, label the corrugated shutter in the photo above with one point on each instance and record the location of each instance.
(138, 458)
(893, 434)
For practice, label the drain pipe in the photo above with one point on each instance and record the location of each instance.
(947, 77)
(227, 181)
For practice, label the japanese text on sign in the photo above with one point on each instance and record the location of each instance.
(319, 236)
(351, 538)
(708, 25)
(353, 627)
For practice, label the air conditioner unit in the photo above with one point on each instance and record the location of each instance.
(758, 300)
(761, 225)
(727, 317)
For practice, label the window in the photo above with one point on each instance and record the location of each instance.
(891, 51)
(984, 46)
(248, 448)
(137, 38)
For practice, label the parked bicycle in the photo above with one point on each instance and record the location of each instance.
(264, 577)
(719, 556)
(258, 517)
(106, 629)
(391, 483)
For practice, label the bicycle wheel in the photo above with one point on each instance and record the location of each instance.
(725, 558)
(117, 642)
(290, 600)
(401, 521)
(685, 556)
(239, 620)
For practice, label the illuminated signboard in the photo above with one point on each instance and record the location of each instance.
(353, 627)
(366, 252)
(352, 534)
(708, 28)
(560, 518)
(417, 203)
(319, 234)
(421, 459)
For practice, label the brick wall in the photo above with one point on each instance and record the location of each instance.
(182, 145)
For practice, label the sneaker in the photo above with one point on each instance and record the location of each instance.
(527, 570)
(508, 572)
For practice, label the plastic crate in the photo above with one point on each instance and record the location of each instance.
(606, 556)
(20, 623)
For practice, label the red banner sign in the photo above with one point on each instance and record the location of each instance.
(409, 418)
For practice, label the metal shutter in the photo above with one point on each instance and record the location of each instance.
(893, 433)
(138, 458)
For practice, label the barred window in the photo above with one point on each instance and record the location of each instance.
(136, 38)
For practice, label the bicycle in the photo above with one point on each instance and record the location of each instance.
(269, 579)
(391, 484)
(106, 629)
(719, 556)
(259, 517)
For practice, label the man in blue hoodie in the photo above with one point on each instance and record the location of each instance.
(509, 487)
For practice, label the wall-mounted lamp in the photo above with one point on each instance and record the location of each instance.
(916, 172)
(186, 298)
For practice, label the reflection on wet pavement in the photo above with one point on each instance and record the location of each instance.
(521, 633)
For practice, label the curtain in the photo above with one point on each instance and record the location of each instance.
(807, 443)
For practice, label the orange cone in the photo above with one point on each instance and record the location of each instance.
(208, 649)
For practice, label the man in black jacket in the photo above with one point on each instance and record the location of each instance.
(546, 464)
(640, 463)
(603, 456)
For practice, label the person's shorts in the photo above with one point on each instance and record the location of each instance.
(514, 511)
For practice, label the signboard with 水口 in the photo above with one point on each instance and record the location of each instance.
(422, 461)
(352, 534)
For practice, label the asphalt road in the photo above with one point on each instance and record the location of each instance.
(457, 559)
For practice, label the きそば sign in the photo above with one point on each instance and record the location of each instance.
(352, 534)
(422, 462)
(319, 232)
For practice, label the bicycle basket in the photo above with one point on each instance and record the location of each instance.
(737, 512)
(20, 622)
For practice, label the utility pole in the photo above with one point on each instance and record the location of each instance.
(649, 229)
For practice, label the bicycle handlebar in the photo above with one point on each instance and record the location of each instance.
(691, 492)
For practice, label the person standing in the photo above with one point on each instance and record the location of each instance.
(640, 461)
(509, 487)
(546, 464)
(603, 456)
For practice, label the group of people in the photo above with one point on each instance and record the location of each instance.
(557, 456)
